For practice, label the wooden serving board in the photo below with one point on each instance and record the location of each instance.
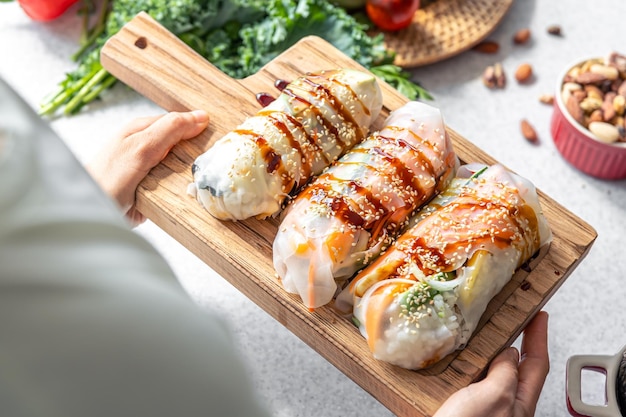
(151, 60)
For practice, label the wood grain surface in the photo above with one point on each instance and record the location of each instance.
(151, 60)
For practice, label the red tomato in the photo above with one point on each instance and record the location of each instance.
(44, 10)
(391, 15)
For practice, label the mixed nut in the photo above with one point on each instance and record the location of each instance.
(594, 94)
(528, 131)
(524, 73)
(494, 76)
(521, 36)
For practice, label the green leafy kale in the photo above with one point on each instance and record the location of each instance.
(237, 36)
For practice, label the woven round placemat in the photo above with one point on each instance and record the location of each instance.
(445, 28)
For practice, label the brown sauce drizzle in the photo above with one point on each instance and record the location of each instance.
(347, 87)
(383, 162)
(401, 176)
(305, 162)
(435, 257)
(317, 149)
(343, 210)
(264, 99)
(360, 190)
(415, 244)
(341, 203)
(419, 155)
(406, 175)
(273, 160)
(328, 126)
(281, 84)
(325, 94)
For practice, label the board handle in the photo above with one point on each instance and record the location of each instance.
(157, 64)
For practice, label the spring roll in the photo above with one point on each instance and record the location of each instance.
(349, 214)
(250, 171)
(423, 298)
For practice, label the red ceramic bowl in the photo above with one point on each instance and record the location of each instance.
(579, 146)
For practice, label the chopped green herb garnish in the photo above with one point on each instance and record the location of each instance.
(442, 276)
(416, 297)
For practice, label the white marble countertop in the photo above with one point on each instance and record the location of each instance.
(586, 314)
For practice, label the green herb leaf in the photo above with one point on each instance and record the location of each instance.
(400, 79)
(476, 174)
(237, 36)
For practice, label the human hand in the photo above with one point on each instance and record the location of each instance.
(126, 159)
(512, 385)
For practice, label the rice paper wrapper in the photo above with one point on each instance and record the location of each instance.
(347, 216)
(252, 170)
(424, 297)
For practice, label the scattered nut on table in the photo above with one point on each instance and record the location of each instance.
(546, 99)
(521, 36)
(487, 47)
(554, 30)
(494, 77)
(528, 131)
(524, 73)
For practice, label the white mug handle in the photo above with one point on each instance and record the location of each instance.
(602, 363)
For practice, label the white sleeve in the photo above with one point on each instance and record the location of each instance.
(92, 320)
